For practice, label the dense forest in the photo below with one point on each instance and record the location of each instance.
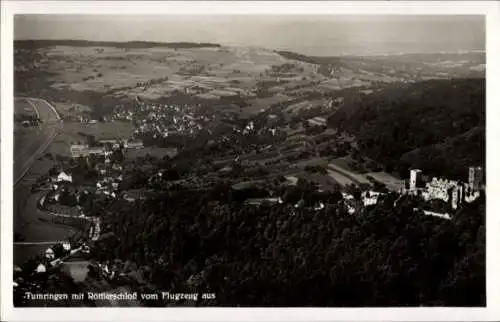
(437, 125)
(209, 241)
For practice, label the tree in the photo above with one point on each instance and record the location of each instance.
(52, 171)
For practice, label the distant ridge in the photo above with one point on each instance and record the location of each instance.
(40, 43)
(309, 59)
(410, 55)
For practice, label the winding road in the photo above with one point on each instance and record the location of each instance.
(26, 151)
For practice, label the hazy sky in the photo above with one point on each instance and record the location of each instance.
(314, 35)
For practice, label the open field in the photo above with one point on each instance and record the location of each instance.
(341, 165)
(152, 151)
(216, 70)
(256, 105)
(391, 182)
(40, 167)
(69, 109)
(108, 130)
(311, 162)
(208, 73)
(342, 162)
(353, 176)
(340, 178)
(23, 107)
(31, 144)
(73, 132)
(324, 182)
(22, 134)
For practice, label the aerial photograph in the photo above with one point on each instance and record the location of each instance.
(249, 161)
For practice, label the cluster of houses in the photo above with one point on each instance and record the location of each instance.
(105, 148)
(251, 129)
(348, 201)
(162, 120)
(55, 255)
(85, 119)
(110, 177)
(122, 114)
(368, 198)
(158, 127)
(109, 185)
(452, 192)
(52, 258)
(110, 173)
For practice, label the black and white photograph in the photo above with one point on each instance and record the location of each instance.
(241, 161)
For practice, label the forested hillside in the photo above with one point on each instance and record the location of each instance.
(267, 256)
(438, 125)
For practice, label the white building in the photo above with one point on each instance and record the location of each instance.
(470, 194)
(319, 206)
(49, 253)
(79, 150)
(476, 175)
(41, 268)
(97, 150)
(439, 189)
(370, 198)
(64, 177)
(414, 177)
(347, 196)
(66, 246)
(135, 144)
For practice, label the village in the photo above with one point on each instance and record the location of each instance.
(264, 160)
(68, 197)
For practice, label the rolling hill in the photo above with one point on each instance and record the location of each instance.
(40, 43)
(438, 125)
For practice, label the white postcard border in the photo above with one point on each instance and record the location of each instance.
(489, 8)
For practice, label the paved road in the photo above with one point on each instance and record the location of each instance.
(25, 155)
